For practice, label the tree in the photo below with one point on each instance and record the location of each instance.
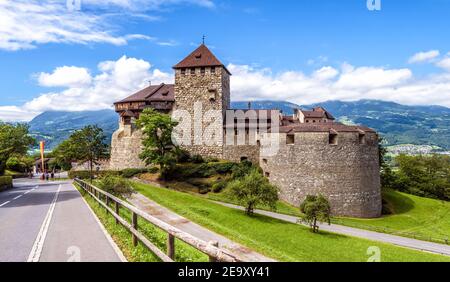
(315, 208)
(158, 148)
(85, 145)
(252, 190)
(14, 140)
(63, 155)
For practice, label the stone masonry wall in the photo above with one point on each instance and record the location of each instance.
(213, 91)
(126, 145)
(346, 173)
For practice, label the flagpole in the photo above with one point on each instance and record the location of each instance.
(42, 147)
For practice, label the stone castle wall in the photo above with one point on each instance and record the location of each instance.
(346, 173)
(126, 145)
(213, 91)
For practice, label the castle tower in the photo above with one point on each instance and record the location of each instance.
(201, 79)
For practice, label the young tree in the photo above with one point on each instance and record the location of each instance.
(315, 208)
(252, 190)
(85, 145)
(157, 141)
(14, 140)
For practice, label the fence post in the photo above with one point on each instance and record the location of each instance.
(117, 211)
(134, 223)
(170, 246)
(107, 201)
(215, 244)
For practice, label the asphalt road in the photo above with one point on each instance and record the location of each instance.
(50, 222)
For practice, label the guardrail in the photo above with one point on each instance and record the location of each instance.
(107, 200)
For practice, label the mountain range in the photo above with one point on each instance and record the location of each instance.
(398, 124)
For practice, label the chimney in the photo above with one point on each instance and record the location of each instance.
(149, 83)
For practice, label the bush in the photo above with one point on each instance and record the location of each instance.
(131, 172)
(219, 186)
(242, 169)
(183, 156)
(85, 174)
(197, 159)
(5, 182)
(116, 186)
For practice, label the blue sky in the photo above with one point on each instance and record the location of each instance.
(302, 51)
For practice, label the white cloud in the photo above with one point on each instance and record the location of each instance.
(115, 81)
(444, 63)
(424, 56)
(24, 24)
(349, 84)
(65, 76)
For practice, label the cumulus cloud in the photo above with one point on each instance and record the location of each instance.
(350, 83)
(444, 63)
(424, 56)
(115, 80)
(65, 76)
(24, 24)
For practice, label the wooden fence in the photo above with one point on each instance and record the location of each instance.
(108, 201)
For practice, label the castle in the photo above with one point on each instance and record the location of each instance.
(315, 154)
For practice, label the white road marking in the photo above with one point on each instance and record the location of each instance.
(5, 203)
(40, 239)
(27, 192)
(17, 197)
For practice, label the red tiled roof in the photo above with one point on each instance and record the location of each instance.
(317, 112)
(153, 93)
(201, 57)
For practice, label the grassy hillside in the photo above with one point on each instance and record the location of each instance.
(411, 216)
(274, 238)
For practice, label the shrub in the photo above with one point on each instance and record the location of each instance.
(131, 172)
(219, 186)
(183, 156)
(116, 186)
(5, 182)
(197, 159)
(85, 174)
(242, 169)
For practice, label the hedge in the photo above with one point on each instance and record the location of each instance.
(5, 182)
(126, 173)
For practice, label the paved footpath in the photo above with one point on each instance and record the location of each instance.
(50, 222)
(166, 215)
(366, 234)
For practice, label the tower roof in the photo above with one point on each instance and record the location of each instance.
(201, 57)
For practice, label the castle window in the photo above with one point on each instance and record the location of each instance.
(258, 143)
(243, 159)
(183, 71)
(192, 70)
(333, 139)
(265, 161)
(202, 71)
(362, 139)
(290, 139)
(267, 174)
(307, 121)
(213, 69)
(314, 121)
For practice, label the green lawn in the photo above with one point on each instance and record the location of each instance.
(412, 217)
(120, 235)
(274, 238)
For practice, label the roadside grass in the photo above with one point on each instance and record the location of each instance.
(274, 238)
(281, 207)
(123, 239)
(412, 216)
